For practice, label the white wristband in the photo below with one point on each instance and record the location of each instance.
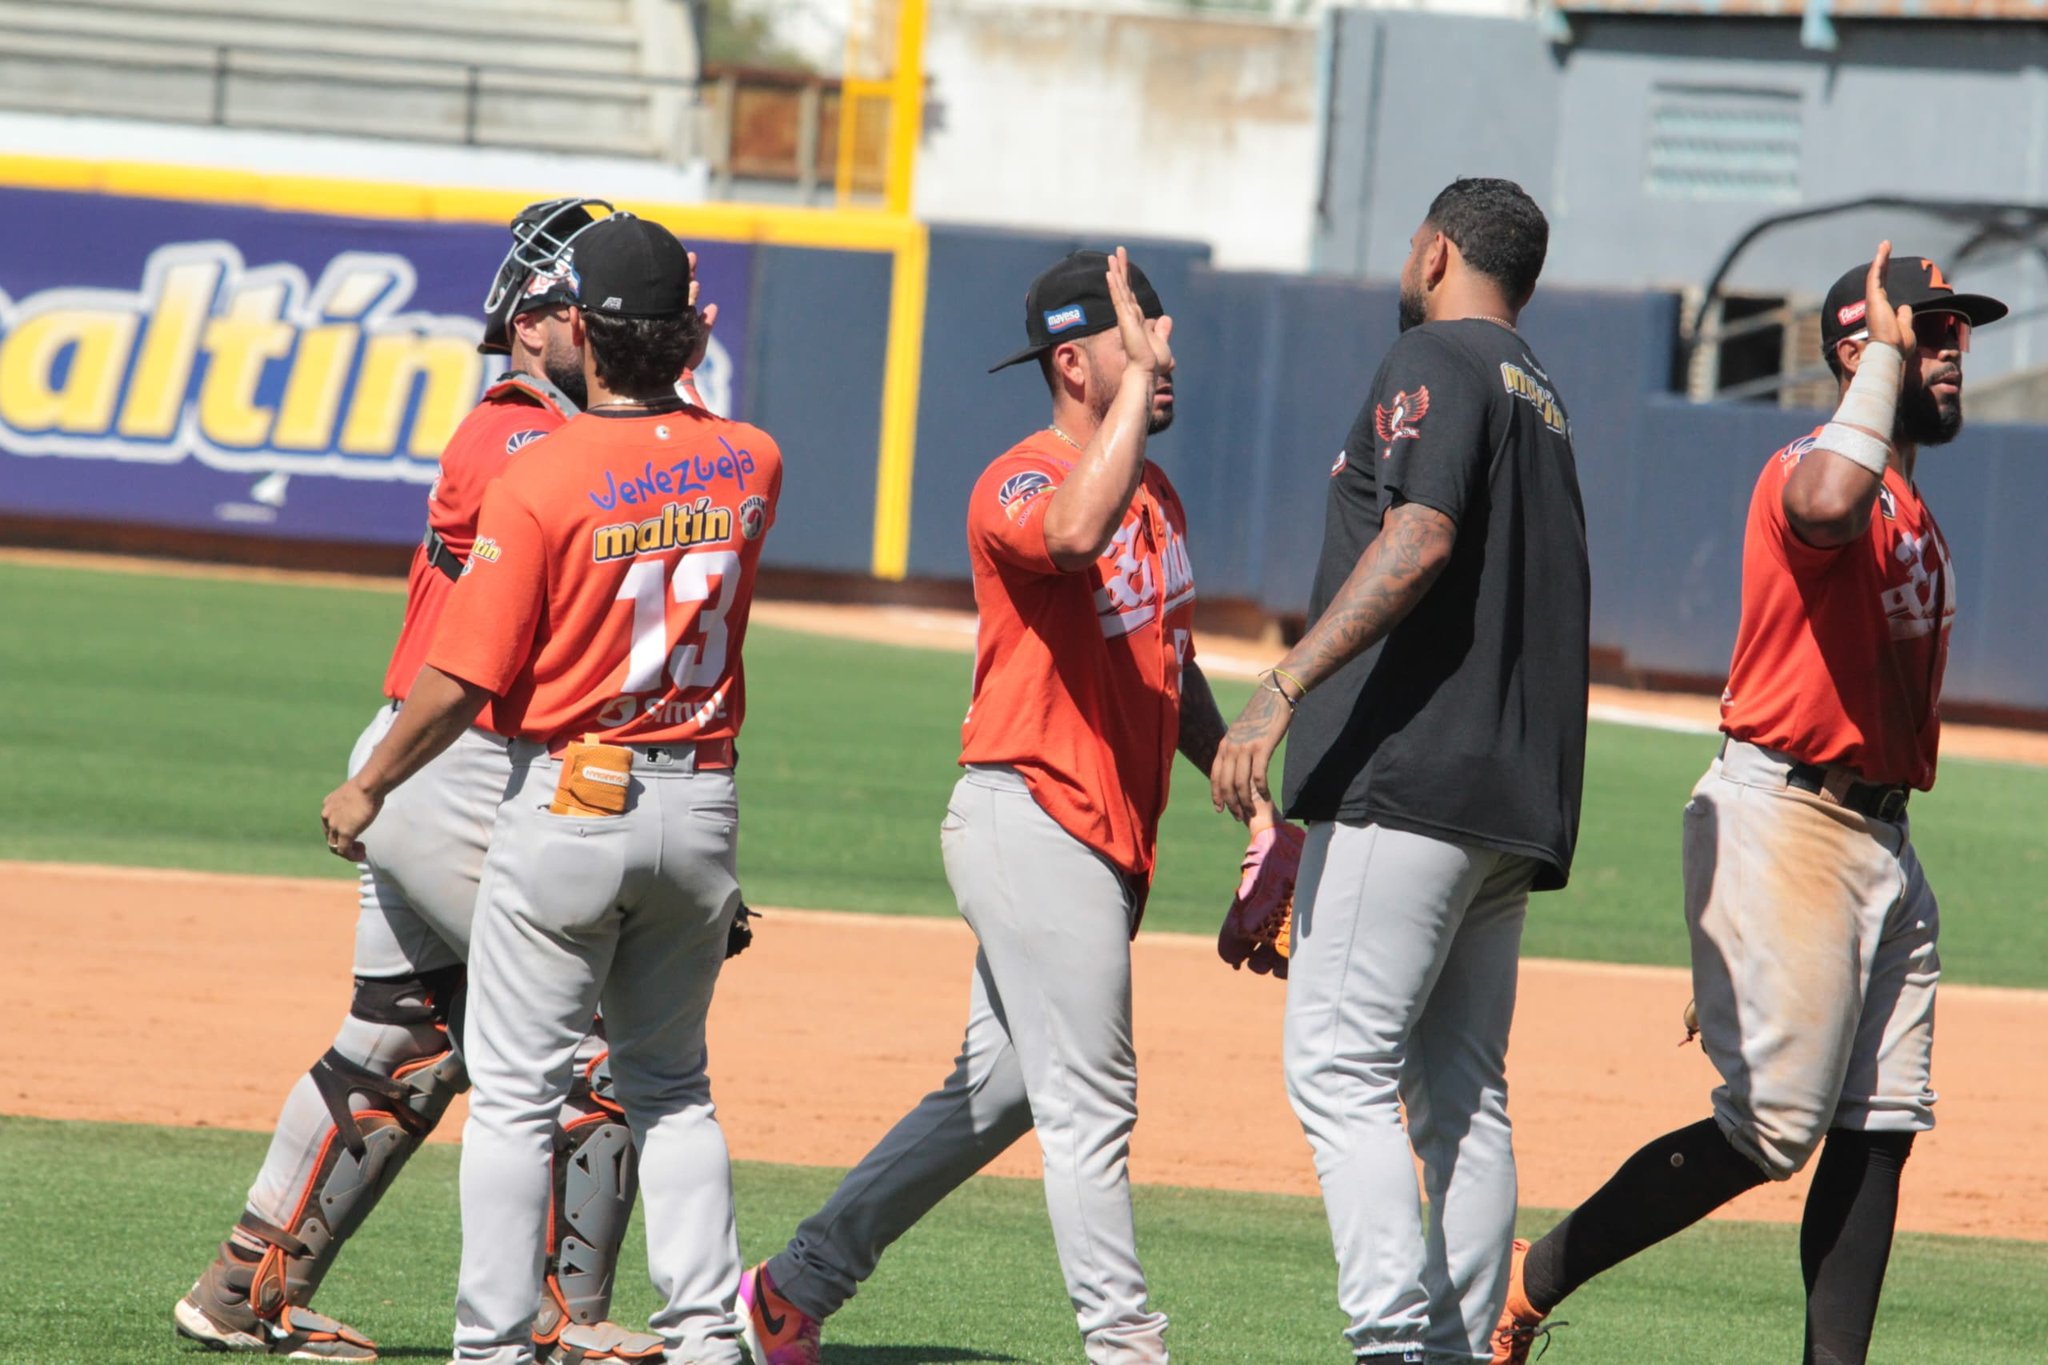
(1872, 401)
(1859, 447)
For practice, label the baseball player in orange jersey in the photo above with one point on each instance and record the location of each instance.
(1813, 927)
(1084, 685)
(353, 1120)
(601, 614)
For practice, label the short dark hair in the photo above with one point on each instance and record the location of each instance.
(640, 357)
(1833, 356)
(1497, 228)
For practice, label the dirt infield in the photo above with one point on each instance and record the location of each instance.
(183, 998)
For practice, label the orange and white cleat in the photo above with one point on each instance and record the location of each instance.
(1520, 1322)
(776, 1330)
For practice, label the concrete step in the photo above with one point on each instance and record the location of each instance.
(434, 37)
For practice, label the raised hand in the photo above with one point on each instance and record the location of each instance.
(709, 316)
(1146, 346)
(1888, 326)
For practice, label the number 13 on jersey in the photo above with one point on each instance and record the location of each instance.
(692, 651)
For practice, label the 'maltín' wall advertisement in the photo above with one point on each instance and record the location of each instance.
(217, 368)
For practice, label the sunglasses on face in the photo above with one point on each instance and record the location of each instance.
(1935, 332)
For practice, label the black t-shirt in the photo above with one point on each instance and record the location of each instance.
(1468, 722)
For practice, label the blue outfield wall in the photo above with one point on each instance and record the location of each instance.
(210, 367)
(1272, 370)
(819, 320)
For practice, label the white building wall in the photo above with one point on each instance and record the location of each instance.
(1147, 123)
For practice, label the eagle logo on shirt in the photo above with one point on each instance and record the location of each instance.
(1402, 416)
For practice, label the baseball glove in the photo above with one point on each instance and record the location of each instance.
(741, 936)
(1258, 928)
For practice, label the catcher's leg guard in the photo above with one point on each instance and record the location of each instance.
(384, 1085)
(596, 1179)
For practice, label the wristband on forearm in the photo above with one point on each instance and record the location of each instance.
(1872, 402)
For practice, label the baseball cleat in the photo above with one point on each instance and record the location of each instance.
(1520, 1322)
(776, 1330)
(593, 1343)
(295, 1334)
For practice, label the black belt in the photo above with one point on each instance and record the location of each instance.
(1865, 798)
(439, 555)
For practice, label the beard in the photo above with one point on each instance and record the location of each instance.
(1412, 308)
(565, 371)
(1157, 419)
(1926, 420)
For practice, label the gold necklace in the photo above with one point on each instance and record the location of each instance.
(1498, 322)
(1053, 427)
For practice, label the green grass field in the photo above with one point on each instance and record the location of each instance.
(199, 722)
(170, 721)
(105, 1225)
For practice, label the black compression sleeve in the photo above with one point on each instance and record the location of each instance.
(1666, 1187)
(1845, 1240)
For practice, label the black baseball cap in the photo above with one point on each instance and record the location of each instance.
(627, 267)
(1914, 281)
(532, 274)
(1071, 299)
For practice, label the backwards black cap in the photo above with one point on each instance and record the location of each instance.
(532, 274)
(1071, 299)
(628, 267)
(1913, 281)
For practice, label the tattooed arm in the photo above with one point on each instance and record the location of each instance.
(1396, 570)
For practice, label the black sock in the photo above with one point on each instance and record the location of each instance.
(1667, 1186)
(1845, 1240)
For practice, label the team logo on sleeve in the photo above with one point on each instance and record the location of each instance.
(1392, 421)
(1338, 468)
(753, 516)
(487, 550)
(519, 440)
(1019, 489)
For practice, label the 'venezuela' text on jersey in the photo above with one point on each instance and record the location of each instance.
(609, 587)
(1841, 651)
(1468, 722)
(515, 412)
(1077, 675)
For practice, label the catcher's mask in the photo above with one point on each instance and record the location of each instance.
(533, 273)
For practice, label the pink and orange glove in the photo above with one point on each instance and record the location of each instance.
(1258, 929)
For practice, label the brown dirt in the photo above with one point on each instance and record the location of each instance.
(211, 994)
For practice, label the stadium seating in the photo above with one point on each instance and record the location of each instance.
(600, 76)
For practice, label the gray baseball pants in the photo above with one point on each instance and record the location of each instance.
(1048, 1045)
(417, 893)
(1400, 992)
(1814, 962)
(631, 910)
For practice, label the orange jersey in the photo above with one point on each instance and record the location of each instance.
(1840, 654)
(514, 413)
(612, 576)
(1077, 675)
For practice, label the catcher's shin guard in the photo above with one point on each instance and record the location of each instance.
(596, 1176)
(378, 1117)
